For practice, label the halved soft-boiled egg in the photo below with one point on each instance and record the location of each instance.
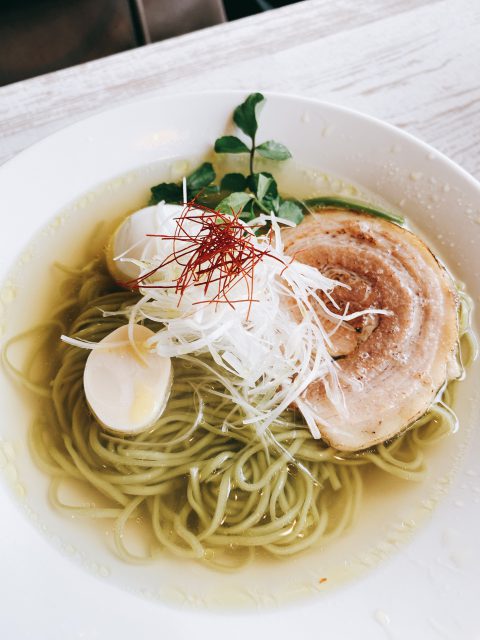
(131, 243)
(127, 386)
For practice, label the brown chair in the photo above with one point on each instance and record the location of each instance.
(38, 36)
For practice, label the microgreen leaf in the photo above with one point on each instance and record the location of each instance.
(167, 191)
(273, 150)
(248, 211)
(198, 180)
(211, 188)
(233, 182)
(234, 202)
(245, 116)
(291, 210)
(263, 185)
(201, 177)
(230, 144)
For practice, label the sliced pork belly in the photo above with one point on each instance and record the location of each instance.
(391, 366)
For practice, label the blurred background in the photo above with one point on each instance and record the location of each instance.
(39, 36)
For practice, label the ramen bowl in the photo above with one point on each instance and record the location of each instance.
(412, 544)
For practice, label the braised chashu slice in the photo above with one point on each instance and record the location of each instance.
(392, 366)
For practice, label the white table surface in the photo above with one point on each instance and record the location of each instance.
(415, 63)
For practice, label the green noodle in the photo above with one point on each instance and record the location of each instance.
(206, 486)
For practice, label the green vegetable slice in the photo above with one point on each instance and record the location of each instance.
(326, 202)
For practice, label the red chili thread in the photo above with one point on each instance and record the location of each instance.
(217, 253)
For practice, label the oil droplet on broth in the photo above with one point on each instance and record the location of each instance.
(20, 490)
(7, 294)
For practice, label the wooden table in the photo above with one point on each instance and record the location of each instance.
(415, 63)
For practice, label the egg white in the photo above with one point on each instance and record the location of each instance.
(127, 388)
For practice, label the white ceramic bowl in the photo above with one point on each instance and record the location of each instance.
(425, 581)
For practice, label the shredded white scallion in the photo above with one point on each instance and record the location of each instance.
(267, 352)
(271, 350)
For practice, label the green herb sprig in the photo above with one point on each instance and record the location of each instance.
(247, 195)
(255, 193)
(245, 117)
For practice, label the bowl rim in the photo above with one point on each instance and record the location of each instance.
(135, 103)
